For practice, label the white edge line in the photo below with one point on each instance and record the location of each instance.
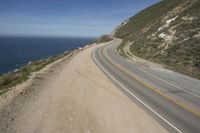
(126, 89)
(167, 82)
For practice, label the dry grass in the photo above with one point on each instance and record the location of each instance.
(11, 79)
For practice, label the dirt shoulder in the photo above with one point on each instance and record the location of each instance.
(72, 95)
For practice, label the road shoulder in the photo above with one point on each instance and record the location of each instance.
(76, 96)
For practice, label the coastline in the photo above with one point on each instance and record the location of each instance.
(16, 52)
(72, 95)
(11, 79)
(20, 88)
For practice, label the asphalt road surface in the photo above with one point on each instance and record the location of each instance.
(171, 98)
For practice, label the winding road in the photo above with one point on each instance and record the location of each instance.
(171, 98)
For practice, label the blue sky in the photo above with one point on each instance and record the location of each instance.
(66, 17)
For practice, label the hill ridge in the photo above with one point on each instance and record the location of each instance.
(166, 33)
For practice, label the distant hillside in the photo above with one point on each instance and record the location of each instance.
(103, 39)
(167, 32)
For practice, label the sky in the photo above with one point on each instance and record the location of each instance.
(79, 18)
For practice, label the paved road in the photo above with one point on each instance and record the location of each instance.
(171, 98)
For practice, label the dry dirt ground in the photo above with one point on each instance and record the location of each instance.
(72, 96)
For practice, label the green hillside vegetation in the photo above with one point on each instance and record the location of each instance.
(11, 79)
(146, 17)
(167, 33)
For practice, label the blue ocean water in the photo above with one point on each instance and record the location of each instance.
(17, 51)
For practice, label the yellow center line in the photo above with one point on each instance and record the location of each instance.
(158, 91)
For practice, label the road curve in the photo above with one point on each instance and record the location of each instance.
(171, 98)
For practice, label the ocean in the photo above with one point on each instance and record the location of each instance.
(17, 51)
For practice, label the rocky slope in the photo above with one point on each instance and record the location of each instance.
(167, 33)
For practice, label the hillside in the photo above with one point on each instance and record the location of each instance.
(166, 33)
